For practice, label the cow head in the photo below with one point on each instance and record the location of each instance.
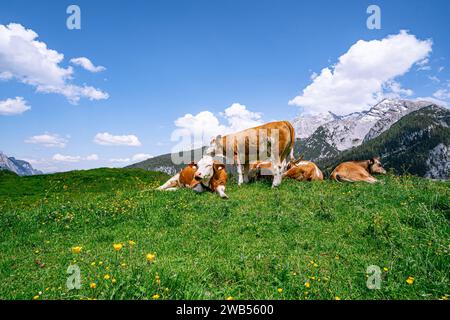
(214, 145)
(294, 163)
(205, 169)
(375, 166)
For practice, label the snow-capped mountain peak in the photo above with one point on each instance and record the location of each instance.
(344, 132)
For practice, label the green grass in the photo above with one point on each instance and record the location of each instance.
(247, 247)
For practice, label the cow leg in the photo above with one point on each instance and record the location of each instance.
(277, 174)
(239, 170)
(221, 191)
(246, 171)
(171, 183)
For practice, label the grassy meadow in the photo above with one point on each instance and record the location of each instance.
(300, 241)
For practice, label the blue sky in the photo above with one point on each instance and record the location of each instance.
(238, 62)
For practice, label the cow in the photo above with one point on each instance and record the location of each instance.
(273, 141)
(183, 179)
(354, 171)
(303, 171)
(211, 175)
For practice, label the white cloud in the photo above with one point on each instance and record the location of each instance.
(357, 81)
(197, 130)
(92, 157)
(65, 158)
(443, 93)
(87, 64)
(28, 60)
(107, 139)
(393, 89)
(48, 140)
(141, 157)
(120, 160)
(14, 106)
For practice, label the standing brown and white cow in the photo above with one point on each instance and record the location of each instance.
(272, 141)
(354, 171)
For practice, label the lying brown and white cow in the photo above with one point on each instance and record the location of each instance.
(210, 175)
(272, 141)
(207, 175)
(260, 170)
(183, 179)
(303, 171)
(354, 171)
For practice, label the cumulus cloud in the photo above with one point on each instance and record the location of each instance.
(120, 160)
(107, 139)
(197, 130)
(65, 158)
(359, 79)
(87, 64)
(30, 61)
(141, 157)
(14, 106)
(48, 140)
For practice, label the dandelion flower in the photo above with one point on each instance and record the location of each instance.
(280, 290)
(117, 246)
(151, 257)
(307, 284)
(230, 298)
(93, 285)
(76, 249)
(113, 280)
(106, 277)
(410, 280)
(36, 297)
(155, 296)
(337, 298)
(385, 269)
(131, 243)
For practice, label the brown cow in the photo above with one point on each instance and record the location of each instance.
(272, 141)
(354, 171)
(303, 171)
(183, 179)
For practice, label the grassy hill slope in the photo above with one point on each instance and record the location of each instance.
(313, 240)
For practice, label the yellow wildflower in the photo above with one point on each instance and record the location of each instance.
(131, 243)
(113, 280)
(155, 296)
(230, 298)
(117, 246)
(337, 298)
(385, 269)
(36, 297)
(93, 285)
(76, 249)
(106, 277)
(410, 280)
(280, 290)
(150, 257)
(307, 284)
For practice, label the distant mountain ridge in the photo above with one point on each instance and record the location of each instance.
(19, 167)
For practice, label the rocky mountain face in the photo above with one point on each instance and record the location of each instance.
(20, 167)
(345, 132)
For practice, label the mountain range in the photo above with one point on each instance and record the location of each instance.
(20, 167)
(410, 136)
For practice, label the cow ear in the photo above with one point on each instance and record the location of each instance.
(218, 166)
(372, 161)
